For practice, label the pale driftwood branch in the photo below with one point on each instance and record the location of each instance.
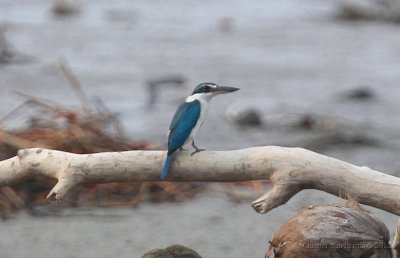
(289, 169)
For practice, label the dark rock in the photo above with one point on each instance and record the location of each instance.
(244, 115)
(173, 251)
(306, 122)
(380, 10)
(158, 253)
(361, 93)
(64, 8)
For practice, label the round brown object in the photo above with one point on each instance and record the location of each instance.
(331, 232)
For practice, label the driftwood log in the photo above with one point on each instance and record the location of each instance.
(290, 170)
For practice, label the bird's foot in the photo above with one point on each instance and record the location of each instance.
(196, 151)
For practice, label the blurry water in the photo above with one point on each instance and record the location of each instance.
(287, 57)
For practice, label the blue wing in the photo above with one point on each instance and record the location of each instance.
(183, 122)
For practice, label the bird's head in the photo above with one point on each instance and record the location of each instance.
(212, 89)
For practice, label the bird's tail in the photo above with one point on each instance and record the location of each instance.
(166, 167)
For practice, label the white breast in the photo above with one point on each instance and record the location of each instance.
(204, 99)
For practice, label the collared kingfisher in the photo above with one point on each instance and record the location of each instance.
(188, 119)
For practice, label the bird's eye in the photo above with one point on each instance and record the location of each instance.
(207, 88)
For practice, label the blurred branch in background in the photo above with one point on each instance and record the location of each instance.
(75, 84)
(8, 55)
(154, 85)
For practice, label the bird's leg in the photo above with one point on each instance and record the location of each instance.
(182, 149)
(196, 149)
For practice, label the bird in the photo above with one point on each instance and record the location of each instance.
(188, 119)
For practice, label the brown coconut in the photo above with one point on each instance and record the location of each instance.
(331, 232)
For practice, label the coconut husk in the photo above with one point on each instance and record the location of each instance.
(333, 231)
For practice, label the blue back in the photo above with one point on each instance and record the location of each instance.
(182, 124)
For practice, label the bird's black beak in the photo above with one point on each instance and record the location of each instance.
(225, 89)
